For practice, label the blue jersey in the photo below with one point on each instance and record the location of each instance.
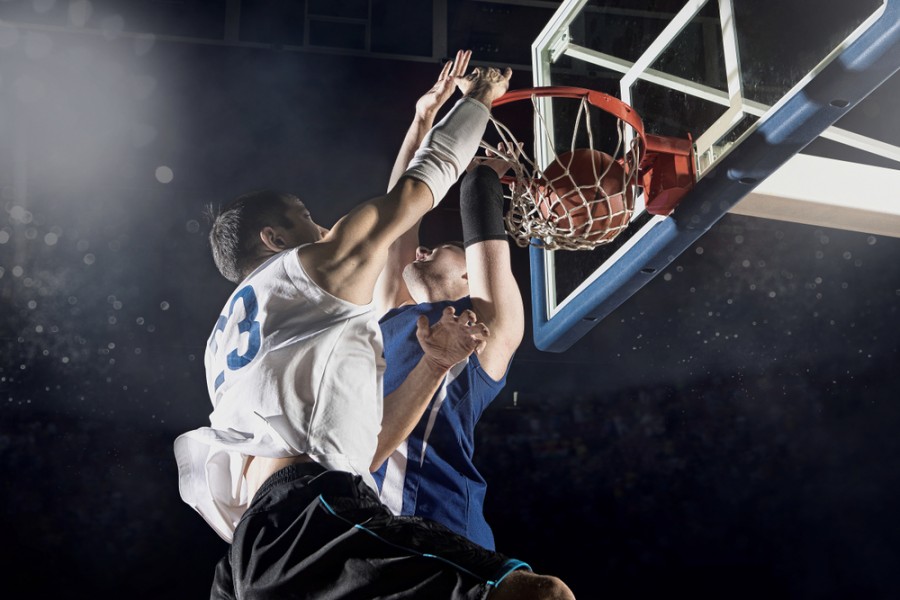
(431, 474)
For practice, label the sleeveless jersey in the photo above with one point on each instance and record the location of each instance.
(431, 474)
(290, 370)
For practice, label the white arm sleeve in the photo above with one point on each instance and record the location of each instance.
(449, 147)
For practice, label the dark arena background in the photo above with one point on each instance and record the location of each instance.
(729, 432)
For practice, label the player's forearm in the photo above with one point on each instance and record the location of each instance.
(488, 261)
(390, 290)
(405, 406)
(420, 126)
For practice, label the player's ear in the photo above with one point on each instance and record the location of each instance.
(271, 239)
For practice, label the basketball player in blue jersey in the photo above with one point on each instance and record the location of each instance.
(294, 372)
(432, 473)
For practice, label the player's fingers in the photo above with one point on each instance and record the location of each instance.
(462, 61)
(449, 313)
(479, 331)
(445, 72)
(507, 73)
(471, 317)
(474, 342)
(422, 328)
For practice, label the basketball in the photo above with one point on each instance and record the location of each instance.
(582, 194)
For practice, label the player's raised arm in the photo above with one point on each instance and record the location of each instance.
(390, 289)
(495, 294)
(347, 261)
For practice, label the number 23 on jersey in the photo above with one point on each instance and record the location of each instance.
(246, 338)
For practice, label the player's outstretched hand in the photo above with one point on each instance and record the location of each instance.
(500, 162)
(452, 339)
(485, 85)
(431, 102)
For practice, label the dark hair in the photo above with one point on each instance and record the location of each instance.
(234, 234)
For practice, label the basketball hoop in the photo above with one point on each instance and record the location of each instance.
(584, 197)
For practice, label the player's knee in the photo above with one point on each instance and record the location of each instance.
(523, 585)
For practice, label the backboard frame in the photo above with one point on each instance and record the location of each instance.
(855, 68)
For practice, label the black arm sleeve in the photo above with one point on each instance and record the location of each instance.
(481, 206)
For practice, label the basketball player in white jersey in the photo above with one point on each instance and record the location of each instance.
(294, 368)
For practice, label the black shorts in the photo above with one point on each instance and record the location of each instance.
(312, 533)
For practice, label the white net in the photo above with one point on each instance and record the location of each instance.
(582, 199)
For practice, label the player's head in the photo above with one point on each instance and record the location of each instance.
(438, 273)
(256, 225)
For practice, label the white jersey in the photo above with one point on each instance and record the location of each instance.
(290, 370)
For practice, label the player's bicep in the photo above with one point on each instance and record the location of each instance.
(347, 262)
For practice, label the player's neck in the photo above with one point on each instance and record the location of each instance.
(439, 293)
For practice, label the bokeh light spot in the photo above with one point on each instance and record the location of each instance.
(164, 174)
(20, 214)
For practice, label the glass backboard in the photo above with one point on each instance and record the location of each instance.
(751, 82)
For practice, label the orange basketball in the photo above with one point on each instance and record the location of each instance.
(583, 194)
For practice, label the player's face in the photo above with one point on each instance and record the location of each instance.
(304, 229)
(444, 258)
(437, 274)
